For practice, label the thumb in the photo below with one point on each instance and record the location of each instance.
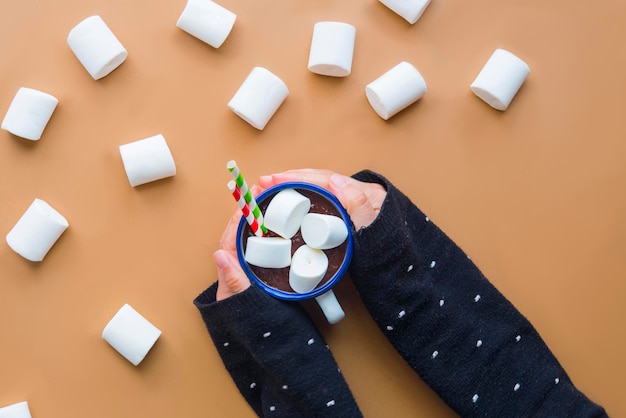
(231, 278)
(353, 199)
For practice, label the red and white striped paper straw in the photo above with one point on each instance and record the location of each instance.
(240, 181)
(245, 209)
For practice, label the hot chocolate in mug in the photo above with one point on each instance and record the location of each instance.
(308, 245)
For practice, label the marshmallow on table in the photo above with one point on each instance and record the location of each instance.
(323, 231)
(207, 21)
(395, 90)
(17, 410)
(268, 252)
(36, 231)
(29, 113)
(96, 47)
(500, 79)
(308, 266)
(131, 334)
(332, 48)
(259, 97)
(285, 212)
(147, 160)
(410, 10)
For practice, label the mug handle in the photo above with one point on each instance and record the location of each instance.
(330, 306)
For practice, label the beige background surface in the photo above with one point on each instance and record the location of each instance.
(535, 195)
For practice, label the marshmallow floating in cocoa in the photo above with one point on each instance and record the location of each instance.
(29, 113)
(147, 160)
(332, 48)
(130, 334)
(17, 410)
(500, 79)
(395, 90)
(308, 266)
(36, 231)
(207, 21)
(323, 231)
(96, 47)
(285, 212)
(268, 252)
(259, 97)
(409, 10)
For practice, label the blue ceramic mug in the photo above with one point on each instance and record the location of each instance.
(322, 201)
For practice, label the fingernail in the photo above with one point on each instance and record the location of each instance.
(338, 181)
(265, 179)
(221, 259)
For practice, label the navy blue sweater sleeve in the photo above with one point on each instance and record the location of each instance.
(462, 336)
(277, 358)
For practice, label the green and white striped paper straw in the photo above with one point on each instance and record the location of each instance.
(247, 194)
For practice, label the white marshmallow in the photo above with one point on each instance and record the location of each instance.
(268, 252)
(36, 231)
(96, 47)
(17, 410)
(410, 10)
(131, 334)
(332, 48)
(500, 79)
(285, 212)
(395, 90)
(207, 21)
(323, 231)
(308, 266)
(147, 160)
(259, 97)
(330, 306)
(29, 113)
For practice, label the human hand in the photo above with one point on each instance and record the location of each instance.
(230, 276)
(361, 200)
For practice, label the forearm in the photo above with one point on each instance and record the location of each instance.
(276, 356)
(451, 325)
